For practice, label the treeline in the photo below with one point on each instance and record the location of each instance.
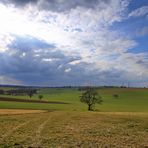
(84, 88)
(19, 92)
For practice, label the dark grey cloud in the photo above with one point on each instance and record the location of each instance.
(19, 2)
(28, 43)
(56, 5)
(34, 62)
(27, 61)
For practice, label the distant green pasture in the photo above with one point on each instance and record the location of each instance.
(130, 99)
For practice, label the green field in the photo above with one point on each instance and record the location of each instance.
(130, 100)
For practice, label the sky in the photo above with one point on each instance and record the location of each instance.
(74, 42)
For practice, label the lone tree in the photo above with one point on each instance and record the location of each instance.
(40, 97)
(91, 97)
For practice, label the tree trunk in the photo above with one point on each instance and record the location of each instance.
(89, 107)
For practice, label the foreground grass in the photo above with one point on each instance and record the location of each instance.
(74, 129)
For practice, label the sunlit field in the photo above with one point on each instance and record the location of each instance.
(129, 100)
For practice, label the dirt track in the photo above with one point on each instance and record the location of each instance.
(30, 101)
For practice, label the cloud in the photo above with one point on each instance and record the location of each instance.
(7, 80)
(21, 63)
(5, 39)
(56, 5)
(19, 2)
(25, 43)
(71, 43)
(64, 5)
(139, 12)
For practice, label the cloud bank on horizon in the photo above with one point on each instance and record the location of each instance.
(75, 42)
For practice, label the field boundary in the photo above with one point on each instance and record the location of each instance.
(31, 101)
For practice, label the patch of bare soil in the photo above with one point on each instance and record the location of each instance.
(18, 111)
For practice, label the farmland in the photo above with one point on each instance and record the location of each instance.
(74, 129)
(130, 100)
(118, 122)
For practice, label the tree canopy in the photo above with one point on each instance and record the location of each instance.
(91, 97)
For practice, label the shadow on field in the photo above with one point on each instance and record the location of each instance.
(31, 101)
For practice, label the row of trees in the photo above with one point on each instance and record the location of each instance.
(19, 92)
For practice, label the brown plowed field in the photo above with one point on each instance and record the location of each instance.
(19, 111)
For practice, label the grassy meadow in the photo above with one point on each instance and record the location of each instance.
(129, 100)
